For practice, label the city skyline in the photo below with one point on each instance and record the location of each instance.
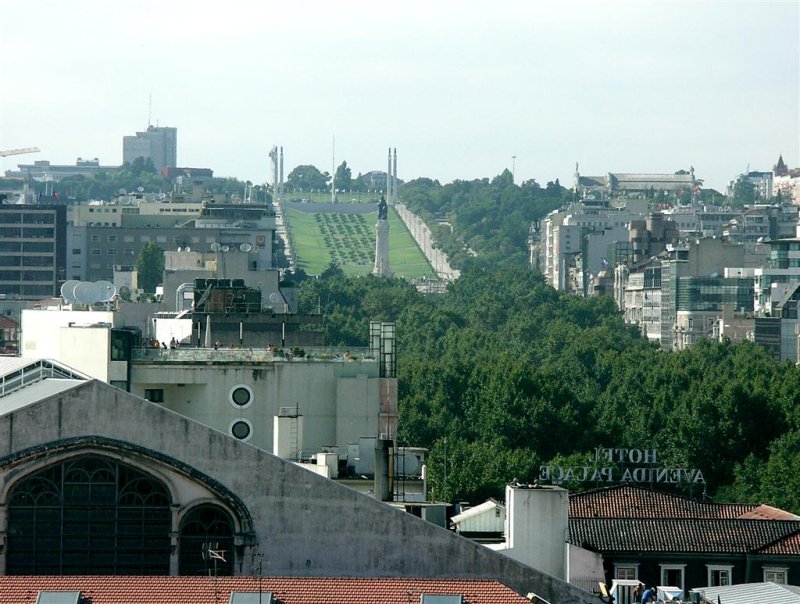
(462, 91)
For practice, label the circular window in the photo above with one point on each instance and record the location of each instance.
(241, 429)
(241, 396)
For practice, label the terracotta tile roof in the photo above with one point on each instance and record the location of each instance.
(681, 535)
(627, 501)
(767, 512)
(287, 590)
(789, 546)
(7, 323)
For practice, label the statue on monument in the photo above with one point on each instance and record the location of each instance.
(382, 208)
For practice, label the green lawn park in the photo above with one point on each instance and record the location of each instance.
(345, 233)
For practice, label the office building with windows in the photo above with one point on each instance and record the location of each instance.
(32, 250)
(159, 144)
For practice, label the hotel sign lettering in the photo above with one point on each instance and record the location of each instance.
(634, 465)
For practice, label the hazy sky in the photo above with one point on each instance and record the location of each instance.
(458, 87)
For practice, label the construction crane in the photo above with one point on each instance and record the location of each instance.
(7, 152)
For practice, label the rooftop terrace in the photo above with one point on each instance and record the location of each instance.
(251, 355)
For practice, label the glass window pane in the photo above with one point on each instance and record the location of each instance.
(73, 518)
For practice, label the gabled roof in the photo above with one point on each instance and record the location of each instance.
(767, 512)
(682, 535)
(96, 418)
(287, 590)
(626, 518)
(747, 593)
(627, 501)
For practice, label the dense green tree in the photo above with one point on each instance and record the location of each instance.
(343, 180)
(307, 178)
(487, 221)
(150, 266)
(744, 191)
(502, 373)
(140, 166)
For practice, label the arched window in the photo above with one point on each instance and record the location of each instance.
(206, 538)
(89, 515)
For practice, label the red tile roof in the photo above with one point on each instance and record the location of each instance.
(7, 323)
(767, 512)
(287, 590)
(787, 546)
(627, 501)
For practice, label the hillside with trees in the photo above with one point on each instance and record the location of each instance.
(140, 175)
(502, 374)
(482, 221)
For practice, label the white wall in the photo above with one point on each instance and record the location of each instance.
(87, 349)
(584, 568)
(536, 528)
(74, 338)
(338, 401)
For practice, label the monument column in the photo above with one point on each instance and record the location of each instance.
(381, 268)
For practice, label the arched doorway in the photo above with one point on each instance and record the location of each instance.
(89, 515)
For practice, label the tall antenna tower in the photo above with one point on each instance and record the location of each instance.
(150, 111)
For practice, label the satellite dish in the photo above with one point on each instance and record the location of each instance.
(140, 189)
(215, 247)
(67, 291)
(87, 293)
(245, 247)
(124, 291)
(123, 192)
(225, 248)
(106, 289)
(274, 297)
(187, 249)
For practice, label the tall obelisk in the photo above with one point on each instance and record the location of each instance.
(381, 268)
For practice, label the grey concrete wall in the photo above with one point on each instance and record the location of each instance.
(303, 524)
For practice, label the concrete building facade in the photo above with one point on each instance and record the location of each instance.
(159, 144)
(180, 484)
(33, 258)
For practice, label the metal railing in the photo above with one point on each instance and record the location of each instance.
(259, 355)
(35, 372)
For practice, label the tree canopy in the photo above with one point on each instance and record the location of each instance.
(482, 221)
(502, 374)
(343, 178)
(307, 178)
(150, 266)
